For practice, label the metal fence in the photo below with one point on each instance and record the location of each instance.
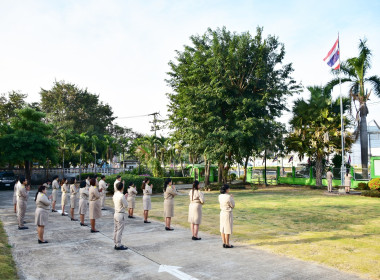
(258, 176)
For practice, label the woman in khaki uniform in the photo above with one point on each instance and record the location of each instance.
(73, 197)
(195, 209)
(83, 201)
(55, 187)
(147, 204)
(42, 212)
(227, 203)
(347, 181)
(17, 184)
(169, 193)
(65, 188)
(131, 199)
(95, 204)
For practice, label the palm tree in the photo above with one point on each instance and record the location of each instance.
(355, 71)
(316, 127)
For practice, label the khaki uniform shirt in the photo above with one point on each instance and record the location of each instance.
(94, 193)
(120, 202)
(43, 201)
(55, 185)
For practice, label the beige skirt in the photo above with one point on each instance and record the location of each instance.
(226, 220)
(73, 202)
(41, 217)
(14, 198)
(64, 199)
(95, 209)
(195, 213)
(54, 195)
(147, 203)
(168, 208)
(83, 206)
(131, 202)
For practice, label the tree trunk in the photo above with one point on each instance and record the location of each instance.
(220, 172)
(27, 171)
(318, 171)
(245, 169)
(265, 167)
(207, 172)
(364, 142)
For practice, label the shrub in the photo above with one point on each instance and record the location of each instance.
(374, 184)
(158, 183)
(181, 180)
(233, 176)
(289, 175)
(371, 193)
(91, 174)
(362, 186)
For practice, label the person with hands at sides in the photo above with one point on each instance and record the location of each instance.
(22, 201)
(131, 199)
(147, 203)
(120, 202)
(95, 206)
(42, 212)
(83, 201)
(65, 188)
(55, 186)
(15, 188)
(195, 209)
(102, 186)
(227, 203)
(73, 197)
(169, 193)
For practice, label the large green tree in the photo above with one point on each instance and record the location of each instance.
(28, 139)
(316, 127)
(9, 103)
(224, 84)
(356, 73)
(69, 107)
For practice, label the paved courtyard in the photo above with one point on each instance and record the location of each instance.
(75, 253)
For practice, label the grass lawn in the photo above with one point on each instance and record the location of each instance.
(7, 265)
(338, 231)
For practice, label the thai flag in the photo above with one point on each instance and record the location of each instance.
(349, 160)
(332, 58)
(290, 159)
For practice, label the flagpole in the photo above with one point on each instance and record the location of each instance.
(342, 173)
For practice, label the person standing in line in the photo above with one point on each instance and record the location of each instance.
(15, 188)
(120, 203)
(22, 201)
(118, 180)
(329, 178)
(147, 203)
(102, 186)
(347, 181)
(169, 193)
(42, 212)
(55, 187)
(88, 181)
(83, 201)
(95, 206)
(47, 186)
(131, 199)
(73, 197)
(65, 194)
(195, 209)
(227, 203)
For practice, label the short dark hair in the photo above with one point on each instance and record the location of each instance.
(130, 184)
(82, 184)
(224, 188)
(55, 177)
(118, 176)
(119, 186)
(102, 177)
(93, 182)
(72, 180)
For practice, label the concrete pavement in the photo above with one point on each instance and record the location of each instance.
(75, 253)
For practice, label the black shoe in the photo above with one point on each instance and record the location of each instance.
(83, 225)
(196, 238)
(229, 246)
(224, 245)
(21, 228)
(39, 241)
(104, 209)
(75, 220)
(63, 214)
(122, 247)
(93, 231)
(54, 210)
(167, 228)
(146, 222)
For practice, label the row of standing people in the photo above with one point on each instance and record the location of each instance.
(90, 197)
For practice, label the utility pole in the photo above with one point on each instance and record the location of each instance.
(154, 128)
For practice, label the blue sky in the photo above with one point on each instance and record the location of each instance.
(121, 49)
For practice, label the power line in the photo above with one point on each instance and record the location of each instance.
(130, 117)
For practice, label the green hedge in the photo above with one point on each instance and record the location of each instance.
(363, 186)
(183, 180)
(372, 193)
(158, 183)
(91, 174)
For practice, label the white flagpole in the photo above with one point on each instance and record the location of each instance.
(343, 169)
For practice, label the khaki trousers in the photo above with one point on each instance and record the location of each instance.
(329, 185)
(102, 199)
(119, 227)
(21, 209)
